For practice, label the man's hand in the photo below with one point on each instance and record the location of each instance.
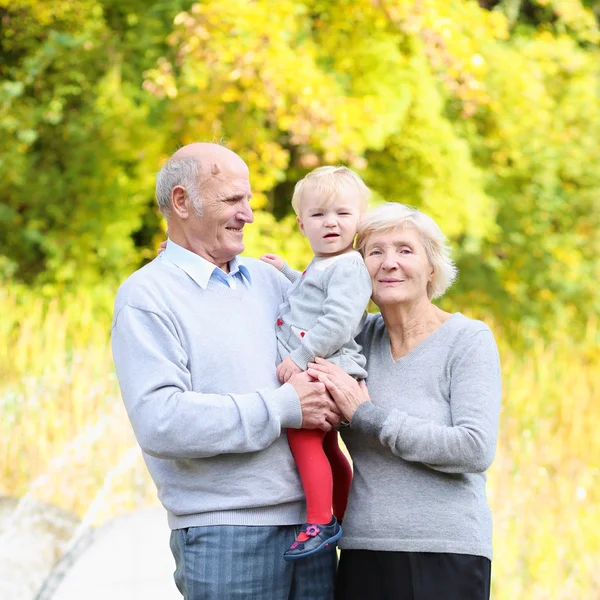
(286, 368)
(318, 409)
(273, 259)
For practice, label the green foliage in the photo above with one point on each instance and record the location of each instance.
(489, 132)
(484, 114)
(538, 140)
(78, 150)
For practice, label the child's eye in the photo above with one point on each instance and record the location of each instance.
(317, 215)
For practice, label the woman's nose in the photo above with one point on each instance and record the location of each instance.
(389, 261)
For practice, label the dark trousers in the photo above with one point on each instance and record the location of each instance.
(374, 575)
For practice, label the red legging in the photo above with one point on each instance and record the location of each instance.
(324, 471)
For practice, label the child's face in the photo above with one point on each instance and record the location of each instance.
(330, 226)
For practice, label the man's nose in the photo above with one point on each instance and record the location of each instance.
(245, 213)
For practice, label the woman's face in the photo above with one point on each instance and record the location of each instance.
(398, 265)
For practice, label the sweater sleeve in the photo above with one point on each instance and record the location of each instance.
(348, 289)
(290, 273)
(469, 444)
(172, 421)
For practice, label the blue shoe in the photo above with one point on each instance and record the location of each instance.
(321, 537)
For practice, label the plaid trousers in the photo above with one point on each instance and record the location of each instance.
(234, 562)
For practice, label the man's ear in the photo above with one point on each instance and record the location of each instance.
(299, 221)
(179, 202)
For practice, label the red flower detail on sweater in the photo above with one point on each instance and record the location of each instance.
(302, 333)
(279, 322)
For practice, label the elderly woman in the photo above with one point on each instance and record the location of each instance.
(423, 434)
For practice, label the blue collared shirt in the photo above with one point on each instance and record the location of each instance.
(202, 271)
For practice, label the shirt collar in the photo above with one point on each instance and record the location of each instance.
(200, 269)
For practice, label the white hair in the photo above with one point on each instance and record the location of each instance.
(393, 215)
(185, 172)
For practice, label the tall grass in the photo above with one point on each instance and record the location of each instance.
(545, 483)
(63, 427)
(65, 435)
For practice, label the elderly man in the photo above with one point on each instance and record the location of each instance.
(195, 351)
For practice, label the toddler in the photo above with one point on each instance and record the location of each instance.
(324, 312)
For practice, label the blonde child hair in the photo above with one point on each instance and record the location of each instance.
(330, 183)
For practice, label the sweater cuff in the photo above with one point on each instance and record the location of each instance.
(301, 356)
(287, 405)
(289, 273)
(368, 419)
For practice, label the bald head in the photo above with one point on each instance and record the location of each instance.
(193, 167)
(214, 157)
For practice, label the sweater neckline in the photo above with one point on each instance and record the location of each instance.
(421, 346)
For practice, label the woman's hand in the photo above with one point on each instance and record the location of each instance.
(347, 393)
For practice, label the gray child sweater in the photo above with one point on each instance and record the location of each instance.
(421, 447)
(325, 311)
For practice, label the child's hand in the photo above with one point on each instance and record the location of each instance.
(287, 367)
(274, 260)
(162, 247)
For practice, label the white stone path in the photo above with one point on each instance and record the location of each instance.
(129, 559)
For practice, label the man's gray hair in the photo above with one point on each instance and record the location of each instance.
(185, 172)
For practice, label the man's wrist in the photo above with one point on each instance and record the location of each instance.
(288, 406)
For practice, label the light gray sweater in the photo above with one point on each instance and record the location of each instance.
(197, 374)
(421, 448)
(325, 311)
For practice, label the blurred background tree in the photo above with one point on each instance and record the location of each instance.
(484, 114)
(79, 141)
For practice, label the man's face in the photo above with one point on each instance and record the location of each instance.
(217, 235)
